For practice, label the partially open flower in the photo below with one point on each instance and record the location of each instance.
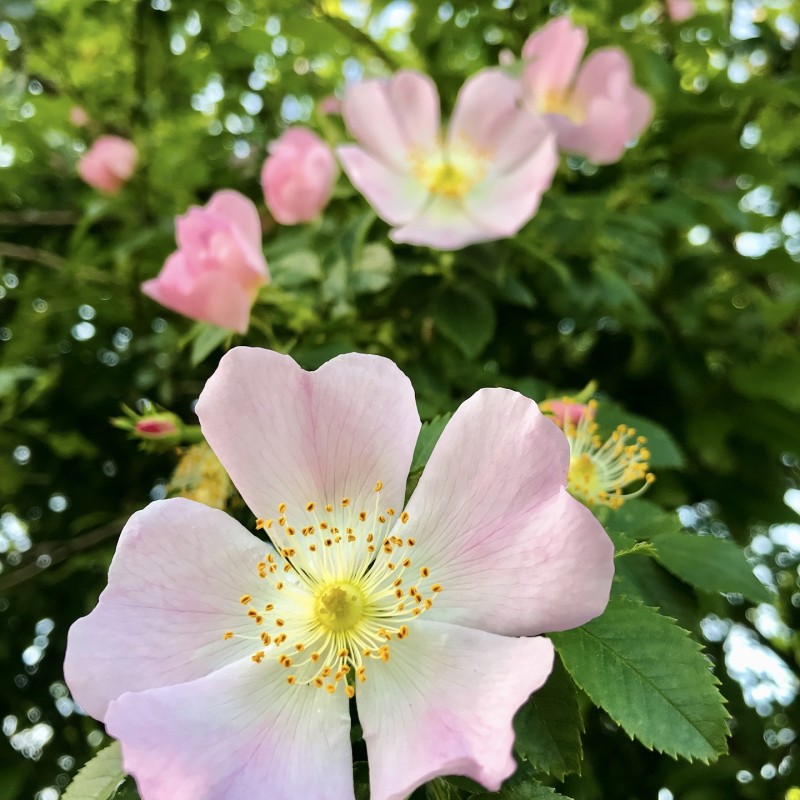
(595, 110)
(224, 664)
(483, 180)
(599, 470)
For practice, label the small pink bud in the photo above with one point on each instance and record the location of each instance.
(330, 105)
(108, 163)
(681, 10)
(156, 428)
(298, 176)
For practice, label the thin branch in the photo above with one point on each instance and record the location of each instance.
(33, 217)
(47, 554)
(24, 253)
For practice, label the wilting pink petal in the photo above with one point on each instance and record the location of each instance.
(216, 272)
(108, 163)
(436, 188)
(492, 521)
(595, 113)
(236, 734)
(298, 176)
(681, 10)
(156, 622)
(443, 705)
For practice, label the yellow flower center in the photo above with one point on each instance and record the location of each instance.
(337, 588)
(558, 102)
(451, 173)
(340, 606)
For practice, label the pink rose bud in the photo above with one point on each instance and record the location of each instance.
(161, 427)
(568, 411)
(681, 10)
(77, 116)
(595, 110)
(216, 272)
(298, 176)
(108, 163)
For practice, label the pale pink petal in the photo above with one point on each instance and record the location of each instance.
(641, 112)
(372, 121)
(444, 224)
(554, 53)
(443, 705)
(504, 203)
(173, 590)
(485, 108)
(524, 136)
(396, 197)
(681, 10)
(605, 73)
(290, 436)
(415, 101)
(239, 211)
(209, 297)
(602, 136)
(514, 553)
(240, 733)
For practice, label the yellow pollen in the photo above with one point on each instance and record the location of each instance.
(329, 508)
(310, 506)
(424, 571)
(378, 485)
(227, 635)
(259, 524)
(340, 606)
(362, 515)
(350, 691)
(245, 599)
(291, 680)
(404, 517)
(345, 502)
(282, 508)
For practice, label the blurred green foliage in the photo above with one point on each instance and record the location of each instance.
(672, 277)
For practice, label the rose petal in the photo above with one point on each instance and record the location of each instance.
(443, 705)
(554, 53)
(173, 590)
(240, 212)
(237, 734)
(514, 553)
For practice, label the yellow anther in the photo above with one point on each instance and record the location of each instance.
(290, 531)
(326, 671)
(279, 622)
(312, 548)
(258, 657)
(362, 515)
(281, 521)
(378, 486)
(343, 653)
(350, 691)
(227, 635)
(299, 647)
(389, 566)
(390, 512)
(361, 674)
(265, 638)
(345, 502)
(411, 542)
(279, 639)
(381, 519)
(437, 587)
(318, 682)
(245, 599)
(314, 656)
(279, 585)
(291, 680)
(330, 688)
(259, 524)
(404, 517)
(406, 562)
(397, 582)
(424, 571)
(269, 607)
(329, 508)
(282, 508)
(311, 506)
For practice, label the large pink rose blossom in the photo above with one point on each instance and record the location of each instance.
(218, 267)
(108, 163)
(595, 110)
(481, 180)
(224, 664)
(298, 176)
(681, 10)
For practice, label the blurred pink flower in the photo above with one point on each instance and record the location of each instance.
(77, 116)
(224, 665)
(330, 104)
(595, 110)
(567, 411)
(218, 267)
(680, 10)
(298, 176)
(108, 163)
(482, 180)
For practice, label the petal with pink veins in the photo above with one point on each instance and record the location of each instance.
(290, 436)
(513, 551)
(396, 197)
(173, 590)
(237, 734)
(443, 705)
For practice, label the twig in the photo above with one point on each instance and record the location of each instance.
(57, 552)
(33, 217)
(24, 253)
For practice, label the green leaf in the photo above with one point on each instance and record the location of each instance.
(650, 677)
(643, 519)
(549, 726)
(710, 564)
(428, 436)
(99, 778)
(206, 341)
(373, 269)
(664, 451)
(466, 318)
(522, 785)
(296, 268)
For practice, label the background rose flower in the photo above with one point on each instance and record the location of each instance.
(108, 163)
(216, 272)
(298, 176)
(483, 180)
(596, 110)
(680, 10)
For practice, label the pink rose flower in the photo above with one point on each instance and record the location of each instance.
(330, 105)
(216, 272)
(298, 176)
(595, 110)
(567, 411)
(108, 163)
(224, 664)
(681, 10)
(78, 116)
(481, 180)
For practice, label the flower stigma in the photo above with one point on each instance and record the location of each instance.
(337, 587)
